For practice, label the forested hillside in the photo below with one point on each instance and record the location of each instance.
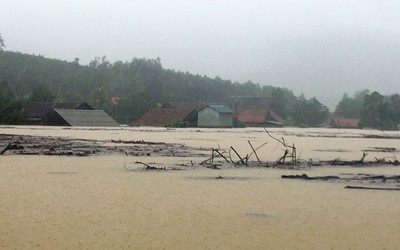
(140, 84)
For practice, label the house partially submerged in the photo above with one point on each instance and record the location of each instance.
(36, 111)
(215, 116)
(259, 118)
(163, 117)
(335, 122)
(79, 118)
(182, 105)
(170, 114)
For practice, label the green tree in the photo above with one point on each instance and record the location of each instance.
(394, 107)
(351, 107)
(132, 107)
(11, 108)
(100, 99)
(42, 93)
(308, 113)
(281, 100)
(1, 43)
(376, 113)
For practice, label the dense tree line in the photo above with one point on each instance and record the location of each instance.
(140, 84)
(373, 109)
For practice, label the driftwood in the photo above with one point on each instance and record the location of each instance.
(5, 149)
(338, 162)
(12, 146)
(357, 177)
(237, 154)
(390, 182)
(148, 167)
(289, 158)
(290, 150)
(214, 153)
(306, 177)
(254, 152)
(63, 146)
(289, 153)
(138, 142)
(372, 188)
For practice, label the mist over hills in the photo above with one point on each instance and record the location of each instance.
(318, 48)
(140, 84)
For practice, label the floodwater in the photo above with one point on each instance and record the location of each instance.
(60, 202)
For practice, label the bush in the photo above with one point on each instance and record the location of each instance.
(178, 124)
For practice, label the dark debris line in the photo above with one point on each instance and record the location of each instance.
(372, 182)
(59, 146)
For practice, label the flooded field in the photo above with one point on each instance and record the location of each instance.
(69, 202)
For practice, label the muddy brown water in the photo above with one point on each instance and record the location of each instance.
(60, 202)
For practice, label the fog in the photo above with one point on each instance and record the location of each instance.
(319, 48)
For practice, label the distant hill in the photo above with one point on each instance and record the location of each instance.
(140, 84)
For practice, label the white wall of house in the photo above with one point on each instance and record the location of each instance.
(209, 117)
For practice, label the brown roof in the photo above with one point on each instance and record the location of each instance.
(40, 109)
(252, 115)
(275, 117)
(163, 116)
(344, 123)
(80, 118)
(259, 117)
(182, 105)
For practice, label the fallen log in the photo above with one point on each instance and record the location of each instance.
(254, 152)
(372, 188)
(306, 177)
(241, 159)
(5, 149)
(148, 167)
(138, 142)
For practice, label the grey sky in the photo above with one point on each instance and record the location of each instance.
(320, 48)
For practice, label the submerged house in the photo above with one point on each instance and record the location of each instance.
(36, 111)
(163, 117)
(259, 118)
(170, 114)
(79, 118)
(215, 116)
(343, 122)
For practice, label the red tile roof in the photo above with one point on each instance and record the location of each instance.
(163, 117)
(344, 123)
(259, 117)
(252, 115)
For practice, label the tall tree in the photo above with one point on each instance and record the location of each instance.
(351, 107)
(376, 113)
(42, 93)
(1, 43)
(100, 99)
(394, 107)
(309, 113)
(11, 108)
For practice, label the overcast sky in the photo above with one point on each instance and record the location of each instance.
(321, 48)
